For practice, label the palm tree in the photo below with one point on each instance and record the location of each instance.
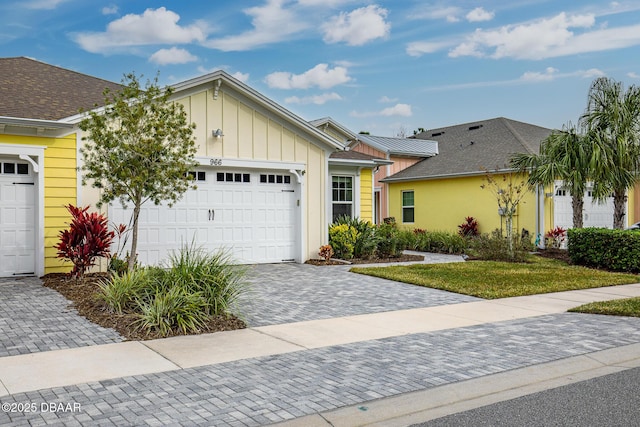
(612, 120)
(564, 155)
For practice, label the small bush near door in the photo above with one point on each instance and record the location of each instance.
(194, 286)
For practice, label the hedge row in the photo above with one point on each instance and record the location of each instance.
(615, 250)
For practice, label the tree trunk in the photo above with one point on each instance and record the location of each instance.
(577, 203)
(134, 237)
(619, 207)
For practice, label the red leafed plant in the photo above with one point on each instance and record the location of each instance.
(87, 238)
(326, 252)
(556, 237)
(469, 227)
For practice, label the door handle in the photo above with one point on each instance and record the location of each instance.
(212, 214)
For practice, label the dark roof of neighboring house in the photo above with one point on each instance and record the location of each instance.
(475, 147)
(31, 89)
(401, 146)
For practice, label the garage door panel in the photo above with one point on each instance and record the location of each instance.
(254, 222)
(17, 223)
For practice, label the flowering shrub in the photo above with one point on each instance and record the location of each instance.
(87, 238)
(326, 252)
(469, 228)
(556, 237)
(342, 238)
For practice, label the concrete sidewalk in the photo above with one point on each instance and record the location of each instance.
(30, 372)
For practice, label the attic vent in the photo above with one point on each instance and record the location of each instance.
(475, 127)
(437, 134)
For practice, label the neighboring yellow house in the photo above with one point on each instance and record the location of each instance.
(439, 192)
(38, 160)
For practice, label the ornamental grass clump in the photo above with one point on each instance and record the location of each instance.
(192, 289)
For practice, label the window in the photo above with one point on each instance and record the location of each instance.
(197, 176)
(275, 179)
(14, 168)
(408, 206)
(233, 177)
(342, 196)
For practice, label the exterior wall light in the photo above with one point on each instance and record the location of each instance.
(217, 133)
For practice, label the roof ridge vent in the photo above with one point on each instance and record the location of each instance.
(475, 127)
(437, 133)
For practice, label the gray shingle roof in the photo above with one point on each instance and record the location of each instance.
(31, 89)
(473, 148)
(401, 146)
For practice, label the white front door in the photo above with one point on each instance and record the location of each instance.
(250, 214)
(17, 218)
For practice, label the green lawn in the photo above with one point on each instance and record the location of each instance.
(619, 307)
(493, 279)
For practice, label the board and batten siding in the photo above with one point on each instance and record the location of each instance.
(60, 189)
(251, 132)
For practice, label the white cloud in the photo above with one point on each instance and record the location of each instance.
(326, 3)
(357, 27)
(633, 75)
(535, 76)
(450, 14)
(537, 40)
(421, 47)
(591, 73)
(243, 77)
(154, 26)
(271, 23)
(110, 10)
(316, 99)
(172, 56)
(385, 100)
(320, 76)
(479, 15)
(403, 110)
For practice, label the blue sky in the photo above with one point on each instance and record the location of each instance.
(386, 67)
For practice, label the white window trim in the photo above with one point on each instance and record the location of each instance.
(412, 206)
(355, 194)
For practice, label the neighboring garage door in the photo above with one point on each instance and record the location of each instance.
(594, 214)
(17, 218)
(250, 214)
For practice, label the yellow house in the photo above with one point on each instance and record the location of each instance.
(38, 160)
(439, 192)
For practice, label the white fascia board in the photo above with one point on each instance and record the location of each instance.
(451, 175)
(248, 164)
(34, 123)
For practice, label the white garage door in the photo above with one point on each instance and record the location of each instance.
(17, 218)
(595, 214)
(250, 214)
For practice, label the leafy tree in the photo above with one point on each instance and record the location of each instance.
(140, 147)
(565, 155)
(612, 120)
(508, 190)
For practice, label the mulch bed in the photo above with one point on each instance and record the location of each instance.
(402, 258)
(559, 254)
(83, 298)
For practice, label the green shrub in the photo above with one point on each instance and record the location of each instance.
(122, 291)
(342, 238)
(390, 240)
(435, 241)
(616, 250)
(366, 241)
(194, 286)
(495, 247)
(173, 310)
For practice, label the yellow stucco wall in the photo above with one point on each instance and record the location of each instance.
(443, 204)
(59, 189)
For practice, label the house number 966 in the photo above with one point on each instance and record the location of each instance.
(216, 162)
